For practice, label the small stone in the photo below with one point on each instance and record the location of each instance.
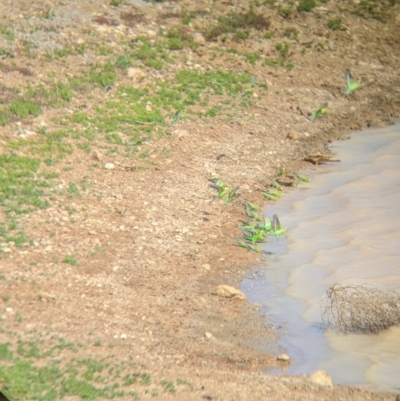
(109, 166)
(92, 232)
(321, 378)
(226, 291)
(151, 33)
(293, 135)
(80, 41)
(148, 107)
(208, 335)
(26, 133)
(206, 266)
(136, 74)
(283, 358)
(116, 268)
(199, 39)
(181, 133)
(9, 310)
(123, 336)
(306, 134)
(96, 155)
(6, 250)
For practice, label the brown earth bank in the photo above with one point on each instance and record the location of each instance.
(124, 262)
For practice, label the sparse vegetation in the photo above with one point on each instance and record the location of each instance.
(306, 5)
(96, 124)
(291, 33)
(335, 24)
(31, 371)
(235, 22)
(70, 259)
(283, 49)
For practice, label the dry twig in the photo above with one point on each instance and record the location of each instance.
(359, 308)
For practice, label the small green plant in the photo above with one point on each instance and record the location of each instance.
(291, 33)
(285, 12)
(146, 379)
(168, 386)
(5, 353)
(4, 53)
(6, 32)
(73, 190)
(116, 3)
(335, 24)
(24, 108)
(175, 44)
(283, 49)
(128, 380)
(70, 259)
(253, 58)
(103, 75)
(61, 53)
(238, 21)
(64, 91)
(123, 62)
(242, 34)
(306, 5)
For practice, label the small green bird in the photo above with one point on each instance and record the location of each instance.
(319, 113)
(249, 247)
(232, 195)
(253, 215)
(252, 206)
(276, 225)
(255, 236)
(271, 194)
(177, 117)
(351, 84)
(301, 177)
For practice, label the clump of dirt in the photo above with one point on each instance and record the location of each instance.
(113, 119)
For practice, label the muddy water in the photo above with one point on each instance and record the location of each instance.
(344, 227)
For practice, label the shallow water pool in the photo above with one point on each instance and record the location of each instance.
(344, 227)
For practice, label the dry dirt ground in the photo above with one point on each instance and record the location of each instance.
(112, 240)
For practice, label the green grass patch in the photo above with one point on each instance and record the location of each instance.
(116, 3)
(152, 56)
(306, 5)
(291, 33)
(47, 370)
(70, 259)
(6, 32)
(283, 49)
(24, 108)
(123, 62)
(235, 22)
(103, 75)
(253, 58)
(136, 112)
(336, 24)
(4, 53)
(21, 190)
